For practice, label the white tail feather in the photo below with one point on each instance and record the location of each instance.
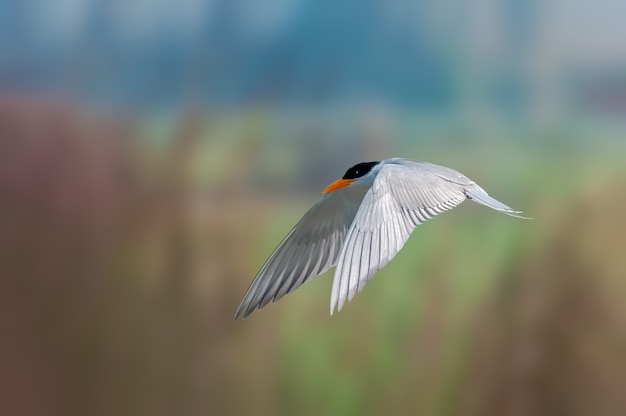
(478, 194)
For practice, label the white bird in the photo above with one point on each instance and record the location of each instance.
(359, 225)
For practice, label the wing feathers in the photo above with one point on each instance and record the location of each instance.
(310, 248)
(361, 229)
(398, 201)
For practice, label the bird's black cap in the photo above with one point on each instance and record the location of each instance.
(359, 170)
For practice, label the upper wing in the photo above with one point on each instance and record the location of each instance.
(404, 195)
(310, 248)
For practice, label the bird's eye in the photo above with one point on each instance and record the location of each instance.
(359, 170)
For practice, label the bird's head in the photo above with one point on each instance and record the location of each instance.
(359, 173)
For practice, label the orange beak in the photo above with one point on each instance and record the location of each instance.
(339, 183)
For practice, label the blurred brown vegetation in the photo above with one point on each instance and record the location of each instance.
(553, 340)
(95, 260)
(119, 277)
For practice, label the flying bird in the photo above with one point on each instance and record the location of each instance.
(359, 224)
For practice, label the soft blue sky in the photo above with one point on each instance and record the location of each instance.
(524, 57)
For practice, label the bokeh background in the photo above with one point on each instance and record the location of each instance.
(153, 153)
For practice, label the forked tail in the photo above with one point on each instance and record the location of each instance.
(478, 194)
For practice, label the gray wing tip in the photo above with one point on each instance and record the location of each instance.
(254, 300)
(251, 302)
(240, 309)
(250, 307)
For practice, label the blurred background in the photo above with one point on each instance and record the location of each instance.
(153, 154)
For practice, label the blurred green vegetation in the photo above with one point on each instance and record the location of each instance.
(123, 258)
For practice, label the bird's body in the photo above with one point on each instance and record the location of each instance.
(359, 225)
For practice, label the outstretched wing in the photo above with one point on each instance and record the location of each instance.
(404, 194)
(310, 248)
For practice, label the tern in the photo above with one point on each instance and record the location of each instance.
(359, 224)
